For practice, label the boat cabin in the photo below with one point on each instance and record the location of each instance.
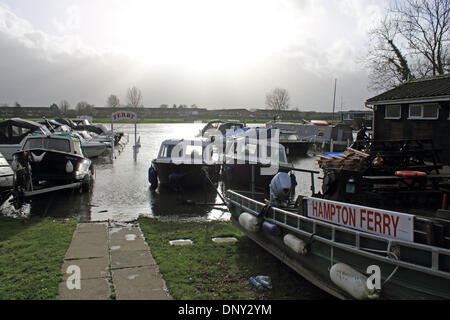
(187, 151)
(14, 131)
(417, 109)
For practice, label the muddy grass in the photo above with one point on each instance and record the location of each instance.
(209, 270)
(31, 255)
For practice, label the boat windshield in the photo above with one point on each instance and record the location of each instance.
(62, 145)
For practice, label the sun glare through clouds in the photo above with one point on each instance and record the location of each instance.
(201, 34)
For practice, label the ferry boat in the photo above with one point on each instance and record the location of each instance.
(342, 250)
(379, 230)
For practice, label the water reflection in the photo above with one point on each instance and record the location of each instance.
(204, 203)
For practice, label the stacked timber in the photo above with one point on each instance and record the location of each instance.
(350, 160)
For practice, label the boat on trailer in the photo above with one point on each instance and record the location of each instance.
(50, 163)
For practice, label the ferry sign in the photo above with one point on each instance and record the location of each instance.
(377, 221)
(124, 115)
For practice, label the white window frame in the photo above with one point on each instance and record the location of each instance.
(392, 105)
(422, 117)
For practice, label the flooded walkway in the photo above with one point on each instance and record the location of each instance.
(110, 261)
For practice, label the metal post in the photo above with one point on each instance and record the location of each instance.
(112, 140)
(334, 97)
(135, 143)
(253, 181)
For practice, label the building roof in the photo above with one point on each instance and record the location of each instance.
(430, 88)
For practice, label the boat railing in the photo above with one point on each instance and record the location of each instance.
(435, 259)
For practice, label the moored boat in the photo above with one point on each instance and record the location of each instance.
(348, 251)
(6, 179)
(181, 164)
(245, 162)
(14, 131)
(50, 163)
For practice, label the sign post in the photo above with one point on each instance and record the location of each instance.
(126, 115)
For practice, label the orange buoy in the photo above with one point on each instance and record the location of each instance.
(410, 174)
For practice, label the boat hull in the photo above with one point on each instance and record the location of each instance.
(92, 150)
(184, 175)
(53, 166)
(296, 148)
(241, 174)
(413, 274)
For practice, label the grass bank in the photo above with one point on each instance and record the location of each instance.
(209, 270)
(31, 256)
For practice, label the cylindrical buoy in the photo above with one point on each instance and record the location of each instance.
(271, 228)
(299, 246)
(249, 222)
(352, 282)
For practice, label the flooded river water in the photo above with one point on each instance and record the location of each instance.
(121, 189)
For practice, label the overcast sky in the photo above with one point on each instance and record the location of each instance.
(212, 53)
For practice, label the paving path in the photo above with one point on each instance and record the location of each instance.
(114, 262)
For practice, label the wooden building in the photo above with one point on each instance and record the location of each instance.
(417, 109)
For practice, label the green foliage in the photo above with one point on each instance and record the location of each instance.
(31, 255)
(209, 270)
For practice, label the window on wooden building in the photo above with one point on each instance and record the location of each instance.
(427, 111)
(393, 111)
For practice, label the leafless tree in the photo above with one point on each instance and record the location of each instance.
(134, 98)
(411, 41)
(64, 106)
(112, 101)
(84, 107)
(277, 99)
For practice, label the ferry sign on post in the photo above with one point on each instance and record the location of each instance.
(124, 115)
(377, 221)
(131, 116)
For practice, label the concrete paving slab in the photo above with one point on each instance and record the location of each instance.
(91, 289)
(127, 245)
(91, 227)
(88, 245)
(139, 284)
(128, 234)
(89, 268)
(128, 259)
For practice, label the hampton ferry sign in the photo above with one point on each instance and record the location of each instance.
(377, 221)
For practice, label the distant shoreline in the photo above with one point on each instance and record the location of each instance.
(173, 120)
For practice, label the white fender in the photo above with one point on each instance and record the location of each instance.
(249, 222)
(69, 167)
(38, 158)
(296, 244)
(352, 282)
